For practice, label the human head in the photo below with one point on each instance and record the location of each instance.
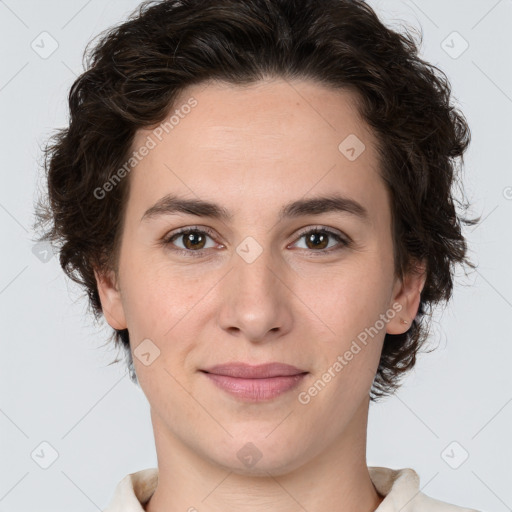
(138, 69)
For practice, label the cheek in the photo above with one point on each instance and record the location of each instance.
(158, 310)
(347, 298)
(351, 303)
(167, 306)
(154, 297)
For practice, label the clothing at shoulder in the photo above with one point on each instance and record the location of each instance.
(134, 491)
(400, 488)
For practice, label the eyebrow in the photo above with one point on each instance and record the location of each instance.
(172, 204)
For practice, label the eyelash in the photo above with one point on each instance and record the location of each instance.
(167, 241)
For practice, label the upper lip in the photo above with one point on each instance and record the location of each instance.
(247, 371)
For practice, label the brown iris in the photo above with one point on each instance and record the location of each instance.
(196, 240)
(321, 244)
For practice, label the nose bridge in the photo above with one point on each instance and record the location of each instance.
(254, 298)
(255, 273)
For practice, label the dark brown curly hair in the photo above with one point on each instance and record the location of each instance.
(137, 69)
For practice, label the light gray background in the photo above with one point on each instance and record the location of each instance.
(56, 384)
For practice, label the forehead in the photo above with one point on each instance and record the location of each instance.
(273, 141)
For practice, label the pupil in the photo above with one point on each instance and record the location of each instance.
(190, 238)
(319, 235)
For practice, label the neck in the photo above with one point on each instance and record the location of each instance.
(337, 478)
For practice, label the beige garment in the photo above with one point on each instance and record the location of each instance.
(400, 488)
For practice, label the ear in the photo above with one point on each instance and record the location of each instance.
(407, 293)
(110, 297)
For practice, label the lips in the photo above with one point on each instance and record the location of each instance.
(262, 371)
(255, 383)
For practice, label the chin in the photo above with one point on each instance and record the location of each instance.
(260, 456)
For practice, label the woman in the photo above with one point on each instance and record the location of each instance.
(257, 197)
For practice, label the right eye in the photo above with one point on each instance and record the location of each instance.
(192, 238)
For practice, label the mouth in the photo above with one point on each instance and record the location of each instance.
(255, 383)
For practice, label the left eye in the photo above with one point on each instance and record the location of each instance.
(317, 239)
(194, 240)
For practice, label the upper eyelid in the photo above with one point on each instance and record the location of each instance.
(333, 231)
(181, 231)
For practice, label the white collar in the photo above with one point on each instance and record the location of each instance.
(400, 488)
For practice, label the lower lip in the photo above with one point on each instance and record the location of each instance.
(256, 390)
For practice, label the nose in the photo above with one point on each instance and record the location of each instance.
(256, 301)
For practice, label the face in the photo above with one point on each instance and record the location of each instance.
(258, 285)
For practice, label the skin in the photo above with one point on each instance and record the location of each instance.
(253, 149)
